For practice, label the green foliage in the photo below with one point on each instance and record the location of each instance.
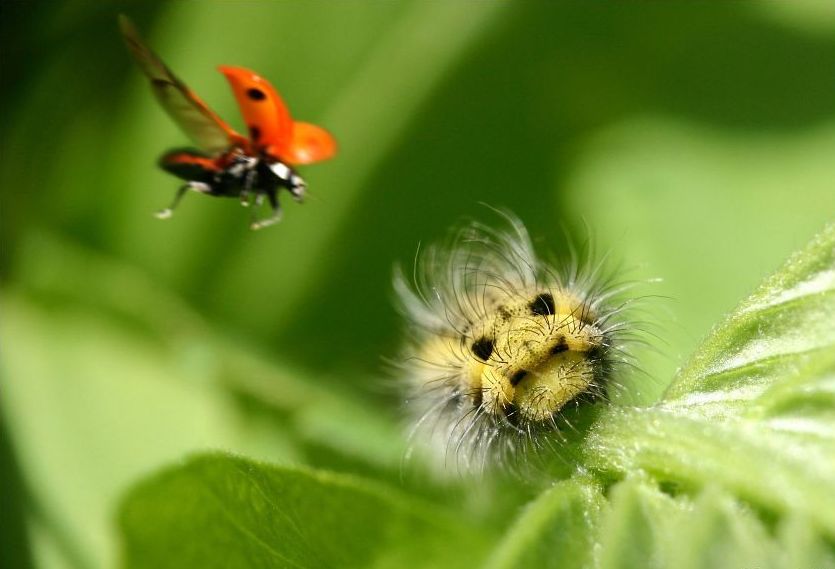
(755, 398)
(557, 529)
(255, 515)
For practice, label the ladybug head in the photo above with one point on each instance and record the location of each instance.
(289, 178)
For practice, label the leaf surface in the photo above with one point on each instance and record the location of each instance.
(223, 511)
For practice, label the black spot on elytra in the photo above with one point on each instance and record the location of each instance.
(482, 348)
(560, 347)
(517, 377)
(254, 133)
(542, 305)
(255, 94)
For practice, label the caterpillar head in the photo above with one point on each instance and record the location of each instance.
(533, 354)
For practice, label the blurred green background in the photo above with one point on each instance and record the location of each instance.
(696, 141)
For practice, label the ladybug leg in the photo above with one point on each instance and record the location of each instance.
(256, 203)
(246, 193)
(169, 211)
(297, 188)
(275, 217)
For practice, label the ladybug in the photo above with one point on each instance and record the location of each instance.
(227, 164)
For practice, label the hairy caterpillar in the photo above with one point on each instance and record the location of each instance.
(501, 343)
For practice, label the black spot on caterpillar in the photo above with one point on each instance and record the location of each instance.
(482, 348)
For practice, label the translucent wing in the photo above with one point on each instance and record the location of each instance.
(192, 115)
(310, 143)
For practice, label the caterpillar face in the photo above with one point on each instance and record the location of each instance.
(500, 344)
(532, 355)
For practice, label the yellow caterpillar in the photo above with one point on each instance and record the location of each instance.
(500, 343)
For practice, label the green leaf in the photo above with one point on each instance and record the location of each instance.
(222, 511)
(639, 525)
(753, 411)
(104, 378)
(788, 321)
(802, 546)
(555, 530)
(704, 212)
(635, 526)
(717, 532)
(645, 527)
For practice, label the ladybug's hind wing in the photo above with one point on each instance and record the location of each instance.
(192, 115)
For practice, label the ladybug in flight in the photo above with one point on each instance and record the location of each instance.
(228, 164)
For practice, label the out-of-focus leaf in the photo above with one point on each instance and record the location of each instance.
(94, 403)
(786, 325)
(644, 527)
(558, 530)
(103, 377)
(15, 546)
(806, 15)
(753, 411)
(802, 546)
(717, 532)
(635, 526)
(222, 511)
(128, 294)
(706, 211)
